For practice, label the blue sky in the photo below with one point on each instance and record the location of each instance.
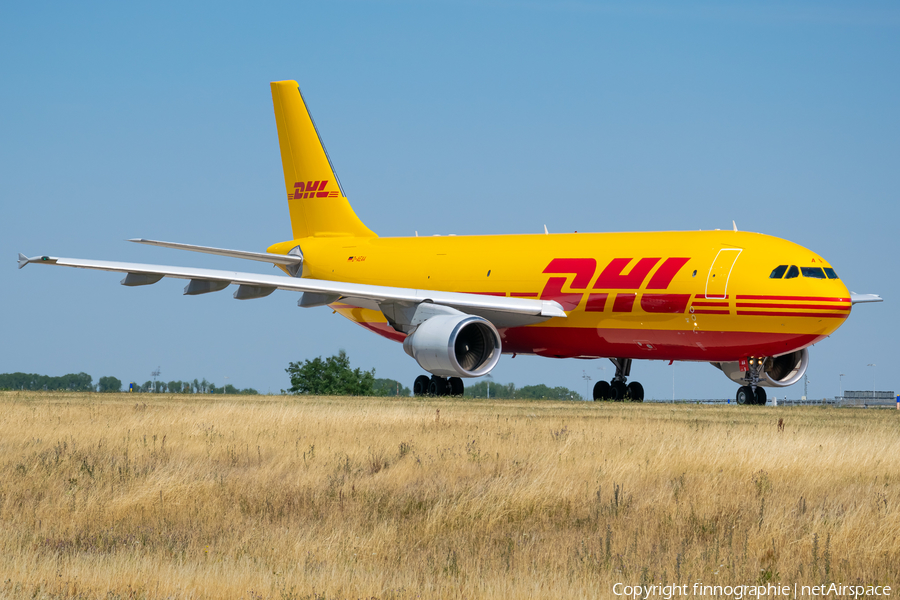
(154, 120)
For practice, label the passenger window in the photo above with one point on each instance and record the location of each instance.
(778, 273)
(831, 274)
(814, 272)
(792, 272)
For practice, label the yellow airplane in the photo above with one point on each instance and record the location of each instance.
(748, 303)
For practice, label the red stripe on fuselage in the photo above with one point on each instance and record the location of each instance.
(762, 313)
(623, 303)
(797, 298)
(665, 303)
(807, 306)
(596, 303)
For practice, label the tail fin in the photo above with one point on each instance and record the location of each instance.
(316, 201)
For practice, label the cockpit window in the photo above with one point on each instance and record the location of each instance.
(792, 272)
(814, 272)
(778, 272)
(831, 274)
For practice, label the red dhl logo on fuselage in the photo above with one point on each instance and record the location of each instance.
(311, 189)
(614, 277)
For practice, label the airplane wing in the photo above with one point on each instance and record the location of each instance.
(858, 298)
(392, 301)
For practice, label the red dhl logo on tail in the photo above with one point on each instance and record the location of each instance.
(311, 189)
(614, 277)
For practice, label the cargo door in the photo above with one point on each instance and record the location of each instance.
(720, 272)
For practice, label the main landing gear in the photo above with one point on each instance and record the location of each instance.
(617, 390)
(747, 395)
(438, 386)
(752, 393)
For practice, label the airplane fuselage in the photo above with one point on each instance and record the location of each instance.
(689, 295)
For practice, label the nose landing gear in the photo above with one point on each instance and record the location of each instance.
(752, 393)
(617, 390)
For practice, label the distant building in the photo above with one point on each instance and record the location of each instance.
(866, 398)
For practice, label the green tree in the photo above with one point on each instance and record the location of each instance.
(330, 377)
(80, 382)
(389, 387)
(109, 384)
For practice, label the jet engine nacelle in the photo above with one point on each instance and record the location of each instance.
(777, 371)
(455, 345)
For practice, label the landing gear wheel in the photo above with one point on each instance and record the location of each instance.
(760, 396)
(420, 387)
(601, 390)
(456, 386)
(438, 386)
(745, 395)
(635, 392)
(617, 391)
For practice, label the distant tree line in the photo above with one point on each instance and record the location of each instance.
(82, 382)
(201, 386)
(330, 376)
(528, 392)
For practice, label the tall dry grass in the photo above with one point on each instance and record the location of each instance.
(139, 496)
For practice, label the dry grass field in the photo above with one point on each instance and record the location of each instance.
(140, 496)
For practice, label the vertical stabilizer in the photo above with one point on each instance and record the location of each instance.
(315, 199)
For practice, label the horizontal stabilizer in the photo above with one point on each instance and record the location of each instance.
(294, 259)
